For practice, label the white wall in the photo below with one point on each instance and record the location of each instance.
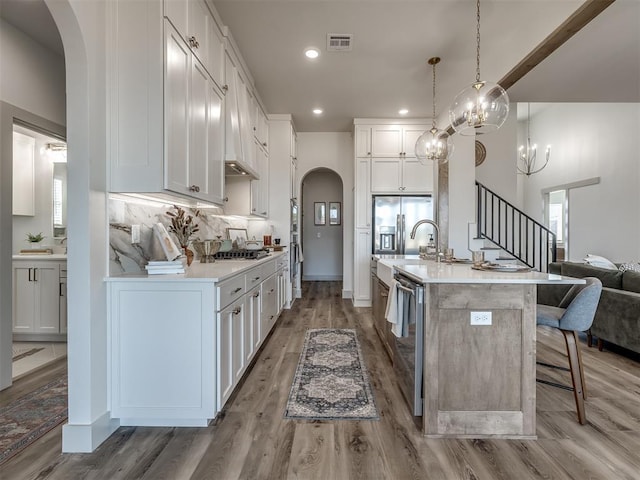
(322, 244)
(592, 140)
(32, 77)
(333, 150)
(498, 171)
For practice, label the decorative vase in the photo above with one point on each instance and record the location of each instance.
(189, 254)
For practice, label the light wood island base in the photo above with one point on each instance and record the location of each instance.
(479, 380)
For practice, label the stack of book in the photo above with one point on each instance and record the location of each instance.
(163, 267)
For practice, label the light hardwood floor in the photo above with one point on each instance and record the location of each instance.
(251, 440)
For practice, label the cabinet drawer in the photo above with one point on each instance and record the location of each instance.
(281, 262)
(229, 290)
(256, 275)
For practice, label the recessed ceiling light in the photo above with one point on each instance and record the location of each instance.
(317, 111)
(403, 111)
(312, 53)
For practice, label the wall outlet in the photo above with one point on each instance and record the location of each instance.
(135, 233)
(480, 318)
(318, 234)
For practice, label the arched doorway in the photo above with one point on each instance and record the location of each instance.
(322, 226)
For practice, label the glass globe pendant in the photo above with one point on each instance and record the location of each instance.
(483, 106)
(434, 144)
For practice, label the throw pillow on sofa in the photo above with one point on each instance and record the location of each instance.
(629, 267)
(598, 261)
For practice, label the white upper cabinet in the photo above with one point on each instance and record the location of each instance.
(193, 125)
(400, 176)
(363, 141)
(394, 140)
(197, 27)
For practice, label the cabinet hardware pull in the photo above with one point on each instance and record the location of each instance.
(256, 278)
(60, 290)
(29, 274)
(225, 88)
(255, 129)
(193, 42)
(264, 144)
(256, 295)
(237, 310)
(264, 213)
(35, 274)
(271, 291)
(237, 290)
(194, 188)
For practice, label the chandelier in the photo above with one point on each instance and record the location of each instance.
(483, 106)
(434, 144)
(526, 164)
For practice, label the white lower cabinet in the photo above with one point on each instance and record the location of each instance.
(38, 297)
(162, 341)
(178, 348)
(230, 349)
(362, 268)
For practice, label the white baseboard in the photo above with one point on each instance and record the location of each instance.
(322, 278)
(347, 294)
(84, 438)
(361, 303)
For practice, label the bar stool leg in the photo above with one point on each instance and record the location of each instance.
(576, 373)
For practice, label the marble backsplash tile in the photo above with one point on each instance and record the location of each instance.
(125, 257)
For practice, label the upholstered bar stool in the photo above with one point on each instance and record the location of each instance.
(574, 314)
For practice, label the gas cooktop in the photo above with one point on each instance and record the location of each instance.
(238, 254)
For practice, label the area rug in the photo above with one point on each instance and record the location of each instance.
(27, 419)
(331, 381)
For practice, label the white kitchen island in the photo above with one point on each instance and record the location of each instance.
(179, 344)
(479, 377)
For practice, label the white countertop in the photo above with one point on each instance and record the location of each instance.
(202, 272)
(40, 256)
(428, 271)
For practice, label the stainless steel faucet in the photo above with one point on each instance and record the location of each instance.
(437, 232)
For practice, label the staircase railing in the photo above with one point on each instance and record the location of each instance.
(513, 230)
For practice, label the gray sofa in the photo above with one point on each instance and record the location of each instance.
(617, 318)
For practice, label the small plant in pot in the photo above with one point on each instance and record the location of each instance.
(183, 227)
(34, 239)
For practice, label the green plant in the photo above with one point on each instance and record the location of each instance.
(35, 238)
(182, 224)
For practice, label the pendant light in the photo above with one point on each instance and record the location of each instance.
(434, 144)
(483, 106)
(526, 164)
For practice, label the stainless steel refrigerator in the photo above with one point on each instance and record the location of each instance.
(393, 219)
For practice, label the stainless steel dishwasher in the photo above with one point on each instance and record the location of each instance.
(408, 359)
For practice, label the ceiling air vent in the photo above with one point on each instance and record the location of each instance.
(339, 42)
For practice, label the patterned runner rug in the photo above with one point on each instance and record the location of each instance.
(27, 419)
(331, 381)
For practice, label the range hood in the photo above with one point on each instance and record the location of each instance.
(239, 169)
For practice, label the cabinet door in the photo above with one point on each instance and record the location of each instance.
(24, 309)
(177, 12)
(255, 314)
(233, 144)
(269, 304)
(386, 175)
(362, 268)
(363, 193)
(363, 141)
(197, 35)
(247, 330)
(386, 141)
(216, 54)
(260, 188)
(63, 305)
(177, 76)
(230, 355)
(410, 135)
(198, 132)
(215, 145)
(416, 177)
(46, 277)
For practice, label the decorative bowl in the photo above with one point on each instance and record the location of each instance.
(206, 249)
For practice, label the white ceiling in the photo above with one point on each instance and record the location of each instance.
(387, 70)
